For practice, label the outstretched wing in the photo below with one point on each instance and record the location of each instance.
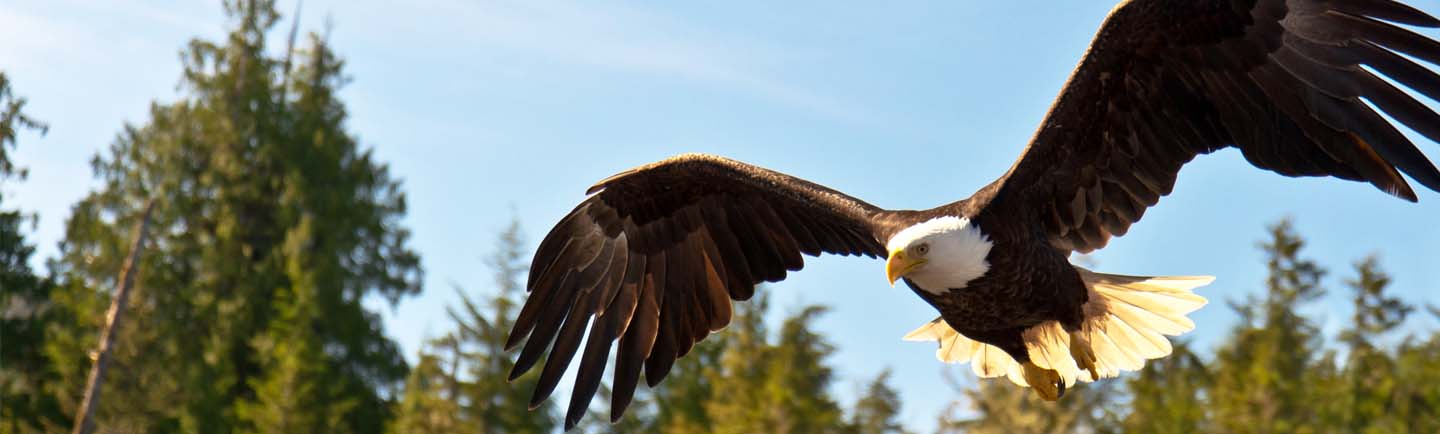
(1282, 80)
(656, 254)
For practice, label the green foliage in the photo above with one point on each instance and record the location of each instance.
(795, 383)
(1166, 396)
(25, 405)
(1415, 401)
(780, 387)
(272, 228)
(498, 406)
(459, 385)
(878, 409)
(681, 402)
(1263, 382)
(12, 120)
(1367, 380)
(1375, 312)
(999, 407)
(743, 379)
(431, 403)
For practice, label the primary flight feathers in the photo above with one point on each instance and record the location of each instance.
(654, 257)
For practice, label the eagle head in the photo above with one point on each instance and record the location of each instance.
(939, 254)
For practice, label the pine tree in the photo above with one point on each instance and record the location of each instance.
(1166, 396)
(431, 404)
(25, 405)
(499, 406)
(13, 119)
(1367, 381)
(460, 385)
(1263, 380)
(273, 226)
(1000, 407)
(682, 403)
(324, 230)
(878, 409)
(743, 380)
(781, 387)
(1415, 402)
(799, 379)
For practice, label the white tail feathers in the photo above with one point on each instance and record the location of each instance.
(1128, 317)
(988, 361)
(1126, 321)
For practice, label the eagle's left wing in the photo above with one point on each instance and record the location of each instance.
(1285, 81)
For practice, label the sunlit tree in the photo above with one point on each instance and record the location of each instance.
(460, 384)
(997, 406)
(273, 226)
(1167, 396)
(1263, 380)
(878, 409)
(25, 404)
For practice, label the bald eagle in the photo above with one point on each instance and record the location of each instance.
(654, 256)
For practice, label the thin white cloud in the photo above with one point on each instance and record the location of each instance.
(48, 34)
(639, 40)
(617, 37)
(26, 39)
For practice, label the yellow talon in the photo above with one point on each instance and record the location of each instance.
(1083, 355)
(1046, 382)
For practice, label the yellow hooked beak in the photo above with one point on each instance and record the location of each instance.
(899, 265)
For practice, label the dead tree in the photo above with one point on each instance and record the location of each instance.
(83, 418)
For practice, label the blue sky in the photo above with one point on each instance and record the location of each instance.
(494, 109)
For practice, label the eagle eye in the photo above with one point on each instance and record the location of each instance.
(923, 249)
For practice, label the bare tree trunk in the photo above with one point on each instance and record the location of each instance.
(290, 53)
(83, 422)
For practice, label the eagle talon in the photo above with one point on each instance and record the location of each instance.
(1083, 355)
(1046, 382)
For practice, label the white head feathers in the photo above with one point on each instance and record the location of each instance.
(954, 252)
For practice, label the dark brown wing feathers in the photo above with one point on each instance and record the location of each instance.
(654, 257)
(1282, 80)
